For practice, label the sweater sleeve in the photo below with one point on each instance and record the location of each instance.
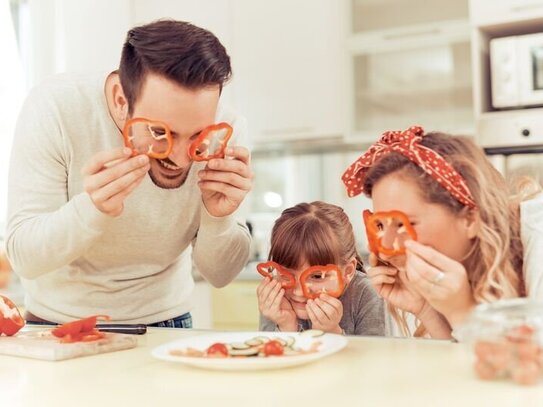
(532, 243)
(45, 230)
(369, 315)
(222, 245)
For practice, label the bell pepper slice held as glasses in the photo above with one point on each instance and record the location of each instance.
(155, 137)
(273, 270)
(211, 143)
(11, 320)
(316, 280)
(379, 224)
(81, 330)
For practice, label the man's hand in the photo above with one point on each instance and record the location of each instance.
(226, 181)
(110, 176)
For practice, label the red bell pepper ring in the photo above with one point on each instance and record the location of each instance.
(405, 230)
(372, 243)
(11, 320)
(167, 137)
(267, 270)
(199, 149)
(80, 330)
(330, 281)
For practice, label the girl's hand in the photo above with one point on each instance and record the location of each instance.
(442, 281)
(392, 284)
(274, 306)
(325, 312)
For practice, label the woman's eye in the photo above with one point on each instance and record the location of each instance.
(317, 277)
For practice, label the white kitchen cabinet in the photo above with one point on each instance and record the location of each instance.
(376, 15)
(409, 65)
(288, 68)
(495, 12)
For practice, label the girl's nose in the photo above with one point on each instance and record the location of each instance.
(297, 291)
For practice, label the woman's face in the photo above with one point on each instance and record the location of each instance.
(436, 225)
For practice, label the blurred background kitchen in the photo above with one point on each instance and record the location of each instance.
(318, 80)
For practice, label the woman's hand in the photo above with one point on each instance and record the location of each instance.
(442, 281)
(274, 306)
(325, 313)
(392, 284)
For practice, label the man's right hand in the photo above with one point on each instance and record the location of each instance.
(110, 176)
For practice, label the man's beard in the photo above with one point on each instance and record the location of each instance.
(164, 181)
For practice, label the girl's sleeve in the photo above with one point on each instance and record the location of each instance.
(370, 313)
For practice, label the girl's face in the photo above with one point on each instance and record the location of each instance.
(296, 296)
(436, 225)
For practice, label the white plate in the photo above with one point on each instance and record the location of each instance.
(330, 343)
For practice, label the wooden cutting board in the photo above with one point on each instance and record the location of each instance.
(43, 345)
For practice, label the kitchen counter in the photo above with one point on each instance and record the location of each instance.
(369, 371)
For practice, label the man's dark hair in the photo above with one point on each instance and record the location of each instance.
(188, 55)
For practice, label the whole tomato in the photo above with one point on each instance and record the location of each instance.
(273, 348)
(217, 350)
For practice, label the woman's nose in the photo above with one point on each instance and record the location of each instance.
(389, 239)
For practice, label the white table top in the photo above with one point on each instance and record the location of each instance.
(369, 371)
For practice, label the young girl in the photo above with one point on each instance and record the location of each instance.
(318, 234)
(474, 243)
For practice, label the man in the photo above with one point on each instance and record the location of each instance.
(88, 231)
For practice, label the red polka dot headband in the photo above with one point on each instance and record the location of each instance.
(407, 143)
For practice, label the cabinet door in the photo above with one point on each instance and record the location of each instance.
(400, 80)
(235, 307)
(287, 58)
(372, 15)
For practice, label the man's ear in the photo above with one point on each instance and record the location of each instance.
(120, 103)
(472, 222)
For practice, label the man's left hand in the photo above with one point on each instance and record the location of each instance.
(226, 181)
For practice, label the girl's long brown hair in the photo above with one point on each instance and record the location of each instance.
(318, 233)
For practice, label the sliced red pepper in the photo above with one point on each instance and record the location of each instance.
(76, 330)
(200, 150)
(273, 270)
(329, 281)
(377, 225)
(11, 320)
(372, 244)
(165, 150)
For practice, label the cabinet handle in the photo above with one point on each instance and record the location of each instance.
(421, 33)
(288, 130)
(526, 7)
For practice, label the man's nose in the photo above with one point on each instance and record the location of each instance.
(180, 152)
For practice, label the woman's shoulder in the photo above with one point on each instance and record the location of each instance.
(531, 212)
